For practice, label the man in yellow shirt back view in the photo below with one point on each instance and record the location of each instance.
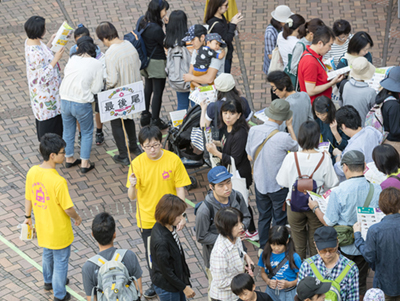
(153, 174)
(46, 192)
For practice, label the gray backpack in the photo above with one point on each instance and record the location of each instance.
(178, 64)
(113, 280)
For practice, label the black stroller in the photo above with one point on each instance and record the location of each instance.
(178, 141)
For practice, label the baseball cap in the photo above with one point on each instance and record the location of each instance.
(353, 157)
(218, 174)
(308, 287)
(196, 30)
(217, 37)
(325, 237)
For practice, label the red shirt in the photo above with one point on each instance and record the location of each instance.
(311, 71)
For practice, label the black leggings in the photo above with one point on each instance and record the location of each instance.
(156, 87)
(119, 137)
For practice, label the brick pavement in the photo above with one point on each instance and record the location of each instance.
(104, 188)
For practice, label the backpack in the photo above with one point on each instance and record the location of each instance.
(178, 64)
(113, 280)
(334, 292)
(299, 200)
(293, 77)
(135, 38)
(375, 119)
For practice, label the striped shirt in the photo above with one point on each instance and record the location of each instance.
(176, 237)
(337, 51)
(270, 37)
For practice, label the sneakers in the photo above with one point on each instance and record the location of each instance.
(123, 161)
(159, 123)
(150, 293)
(99, 138)
(145, 118)
(66, 298)
(49, 286)
(251, 236)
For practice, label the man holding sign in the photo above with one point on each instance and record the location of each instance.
(122, 65)
(151, 175)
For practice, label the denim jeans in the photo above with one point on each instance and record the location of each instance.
(168, 296)
(283, 296)
(82, 112)
(270, 206)
(183, 100)
(55, 269)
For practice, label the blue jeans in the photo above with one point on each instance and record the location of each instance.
(83, 112)
(168, 296)
(283, 296)
(183, 100)
(55, 269)
(270, 206)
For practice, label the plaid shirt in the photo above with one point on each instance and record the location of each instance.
(349, 285)
(270, 37)
(227, 261)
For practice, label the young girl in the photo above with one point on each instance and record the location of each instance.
(281, 284)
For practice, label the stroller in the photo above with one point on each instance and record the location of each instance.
(178, 141)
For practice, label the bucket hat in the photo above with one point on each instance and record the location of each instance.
(361, 69)
(281, 13)
(392, 82)
(279, 110)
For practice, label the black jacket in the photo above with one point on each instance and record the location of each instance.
(169, 271)
(225, 30)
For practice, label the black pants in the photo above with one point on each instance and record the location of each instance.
(156, 87)
(145, 235)
(118, 133)
(52, 125)
(252, 225)
(363, 267)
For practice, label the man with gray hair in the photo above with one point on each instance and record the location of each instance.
(355, 192)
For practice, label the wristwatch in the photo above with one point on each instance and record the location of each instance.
(185, 216)
(315, 208)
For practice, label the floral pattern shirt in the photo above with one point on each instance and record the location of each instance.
(43, 81)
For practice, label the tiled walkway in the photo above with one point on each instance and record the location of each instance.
(104, 188)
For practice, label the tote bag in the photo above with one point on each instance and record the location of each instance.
(276, 61)
(238, 183)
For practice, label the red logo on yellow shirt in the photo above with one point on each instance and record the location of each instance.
(40, 195)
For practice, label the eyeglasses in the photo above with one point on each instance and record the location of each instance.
(149, 147)
(343, 38)
(328, 250)
(274, 89)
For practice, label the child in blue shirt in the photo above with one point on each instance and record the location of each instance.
(281, 284)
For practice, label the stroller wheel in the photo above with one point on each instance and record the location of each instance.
(193, 185)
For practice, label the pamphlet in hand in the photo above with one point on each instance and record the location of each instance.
(380, 74)
(177, 117)
(323, 146)
(333, 74)
(367, 217)
(321, 199)
(62, 36)
(261, 115)
(207, 93)
(373, 175)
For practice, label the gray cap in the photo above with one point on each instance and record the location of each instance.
(279, 110)
(353, 157)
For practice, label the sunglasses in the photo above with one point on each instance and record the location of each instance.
(328, 250)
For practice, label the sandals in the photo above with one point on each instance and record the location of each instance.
(69, 165)
(87, 169)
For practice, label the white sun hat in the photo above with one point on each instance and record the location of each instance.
(281, 13)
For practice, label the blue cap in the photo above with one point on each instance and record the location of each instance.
(218, 174)
(217, 37)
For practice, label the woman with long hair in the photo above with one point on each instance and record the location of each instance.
(217, 22)
(175, 32)
(313, 163)
(83, 77)
(387, 161)
(288, 38)
(154, 74)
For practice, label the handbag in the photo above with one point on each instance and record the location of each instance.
(238, 183)
(299, 199)
(276, 61)
(346, 233)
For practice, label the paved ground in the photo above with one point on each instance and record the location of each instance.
(104, 189)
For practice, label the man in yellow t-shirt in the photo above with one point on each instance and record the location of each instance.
(47, 193)
(151, 175)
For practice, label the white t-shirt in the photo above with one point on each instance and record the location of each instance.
(286, 46)
(83, 77)
(325, 176)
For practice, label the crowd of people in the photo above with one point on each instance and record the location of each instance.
(319, 136)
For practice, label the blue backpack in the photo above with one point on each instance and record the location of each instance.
(135, 38)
